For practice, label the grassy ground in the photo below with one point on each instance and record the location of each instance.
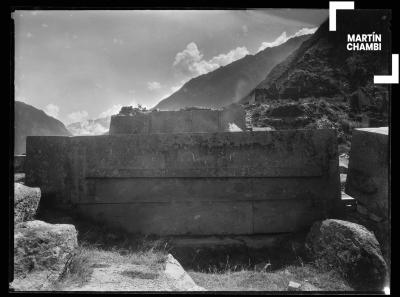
(141, 259)
(310, 278)
(103, 252)
(93, 268)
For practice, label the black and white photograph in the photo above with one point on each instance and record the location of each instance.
(201, 150)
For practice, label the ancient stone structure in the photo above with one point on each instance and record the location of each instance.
(26, 202)
(19, 163)
(367, 179)
(191, 183)
(180, 121)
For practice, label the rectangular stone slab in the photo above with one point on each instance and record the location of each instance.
(151, 190)
(204, 155)
(190, 218)
(19, 163)
(235, 183)
(206, 217)
(368, 172)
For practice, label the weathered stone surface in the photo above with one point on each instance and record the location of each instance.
(41, 251)
(50, 169)
(181, 280)
(351, 249)
(343, 163)
(19, 163)
(343, 179)
(362, 210)
(368, 173)
(19, 178)
(233, 114)
(26, 202)
(180, 121)
(192, 183)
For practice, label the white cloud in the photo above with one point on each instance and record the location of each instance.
(283, 38)
(88, 127)
(153, 85)
(52, 110)
(278, 41)
(45, 25)
(29, 35)
(190, 61)
(233, 55)
(305, 31)
(111, 111)
(118, 41)
(173, 89)
(77, 116)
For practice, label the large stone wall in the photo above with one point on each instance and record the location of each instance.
(19, 163)
(181, 121)
(192, 183)
(368, 173)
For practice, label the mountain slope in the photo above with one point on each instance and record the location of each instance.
(229, 83)
(30, 121)
(322, 65)
(324, 85)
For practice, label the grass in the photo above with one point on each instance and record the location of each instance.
(87, 257)
(309, 276)
(78, 269)
(101, 247)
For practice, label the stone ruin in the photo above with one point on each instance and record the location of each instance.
(368, 176)
(182, 173)
(134, 121)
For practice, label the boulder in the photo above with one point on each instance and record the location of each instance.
(351, 249)
(41, 252)
(26, 202)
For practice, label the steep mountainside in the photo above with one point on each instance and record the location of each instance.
(230, 83)
(30, 121)
(323, 67)
(324, 85)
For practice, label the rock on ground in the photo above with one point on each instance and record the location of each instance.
(41, 251)
(351, 249)
(175, 272)
(26, 202)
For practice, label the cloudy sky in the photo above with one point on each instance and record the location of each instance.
(78, 65)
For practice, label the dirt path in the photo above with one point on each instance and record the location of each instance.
(124, 277)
